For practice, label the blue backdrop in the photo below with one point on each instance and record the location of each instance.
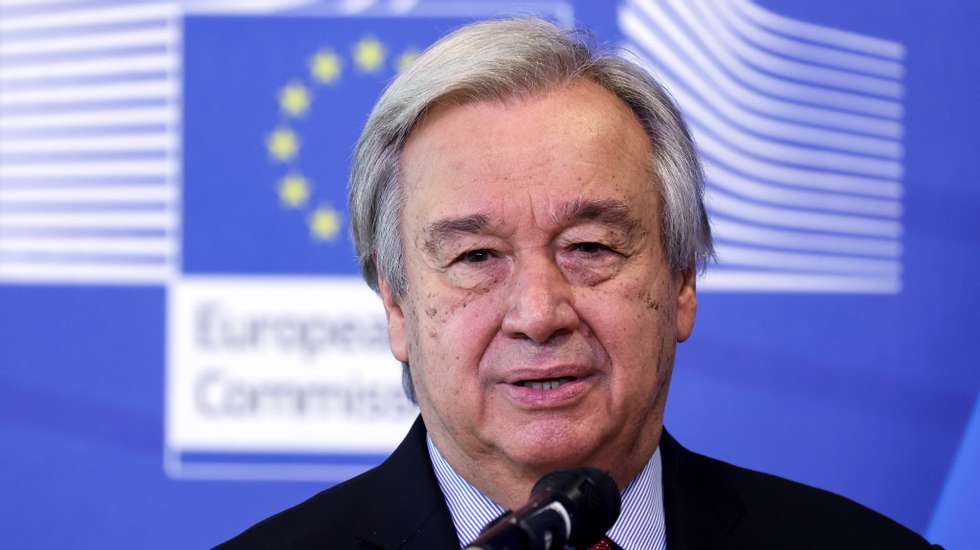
(139, 146)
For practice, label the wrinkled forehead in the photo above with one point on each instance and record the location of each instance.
(530, 168)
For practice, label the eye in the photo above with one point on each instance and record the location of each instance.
(590, 248)
(476, 256)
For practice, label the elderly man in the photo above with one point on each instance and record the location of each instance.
(531, 214)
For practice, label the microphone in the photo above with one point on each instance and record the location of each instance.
(566, 507)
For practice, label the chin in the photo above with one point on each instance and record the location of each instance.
(553, 445)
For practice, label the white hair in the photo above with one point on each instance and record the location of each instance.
(498, 60)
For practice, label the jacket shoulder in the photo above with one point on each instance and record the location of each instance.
(396, 505)
(330, 515)
(779, 513)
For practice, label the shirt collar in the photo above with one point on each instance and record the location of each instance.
(640, 525)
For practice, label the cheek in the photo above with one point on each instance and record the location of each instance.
(628, 332)
(633, 322)
(453, 328)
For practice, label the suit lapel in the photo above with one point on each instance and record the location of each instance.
(701, 511)
(409, 511)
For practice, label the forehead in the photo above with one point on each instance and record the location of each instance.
(574, 142)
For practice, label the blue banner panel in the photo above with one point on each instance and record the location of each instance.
(185, 344)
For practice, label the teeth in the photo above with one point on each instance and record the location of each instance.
(546, 385)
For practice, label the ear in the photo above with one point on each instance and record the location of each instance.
(397, 339)
(687, 303)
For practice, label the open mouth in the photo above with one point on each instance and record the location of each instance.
(546, 384)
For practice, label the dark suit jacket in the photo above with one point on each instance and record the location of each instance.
(707, 503)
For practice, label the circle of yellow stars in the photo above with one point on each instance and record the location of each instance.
(295, 99)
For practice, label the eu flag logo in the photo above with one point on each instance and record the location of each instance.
(272, 108)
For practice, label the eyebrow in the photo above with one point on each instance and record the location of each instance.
(442, 230)
(611, 212)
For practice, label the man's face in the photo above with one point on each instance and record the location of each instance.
(541, 318)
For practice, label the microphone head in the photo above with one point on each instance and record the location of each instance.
(591, 499)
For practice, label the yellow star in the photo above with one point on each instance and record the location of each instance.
(406, 58)
(325, 67)
(324, 223)
(294, 99)
(283, 144)
(369, 54)
(293, 191)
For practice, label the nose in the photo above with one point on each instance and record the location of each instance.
(541, 302)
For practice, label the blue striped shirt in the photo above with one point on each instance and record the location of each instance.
(640, 525)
